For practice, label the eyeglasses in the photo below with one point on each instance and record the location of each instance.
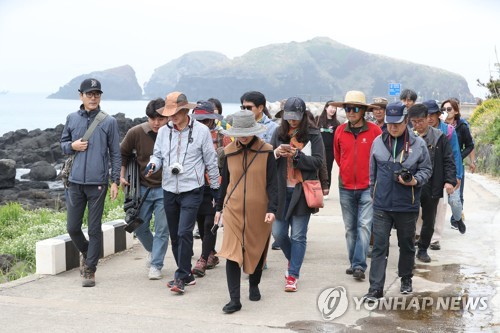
(355, 109)
(246, 107)
(448, 109)
(418, 122)
(91, 94)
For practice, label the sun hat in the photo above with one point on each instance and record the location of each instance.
(380, 102)
(294, 109)
(205, 110)
(353, 97)
(395, 113)
(244, 124)
(174, 102)
(90, 85)
(432, 106)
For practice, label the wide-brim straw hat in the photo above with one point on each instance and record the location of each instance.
(353, 97)
(244, 124)
(174, 102)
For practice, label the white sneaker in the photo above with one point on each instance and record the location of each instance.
(154, 273)
(148, 260)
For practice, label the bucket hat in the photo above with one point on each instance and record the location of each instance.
(432, 106)
(244, 124)
(380, 102)
(353, 97)
(205, 110)
(174, 102)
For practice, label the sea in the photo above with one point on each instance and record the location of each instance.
(33, 110)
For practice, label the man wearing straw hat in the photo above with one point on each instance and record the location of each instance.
(184, 149)
(352, 144)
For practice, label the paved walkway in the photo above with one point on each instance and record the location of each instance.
(124, 300)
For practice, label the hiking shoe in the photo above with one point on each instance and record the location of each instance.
(187, 282)
(154, 273)
(435, 246)
(148, 260)
(454, 225)
(232, 306)
(423, 256)
(254, 293)
(406, 287)
(461, 226)
(275, 246)
(178, 286)
(349, 271)
(212, 260)
(88, 277)
(83, 257)
(196, 233)
(200, 267)
(373, 296)
(358, 274)
(291, 284)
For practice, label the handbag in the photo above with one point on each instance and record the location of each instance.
(68, 164)
(313, 193)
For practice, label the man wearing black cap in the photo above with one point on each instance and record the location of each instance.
(399, 166)
(89, 176)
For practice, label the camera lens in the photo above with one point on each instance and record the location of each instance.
(175, 171)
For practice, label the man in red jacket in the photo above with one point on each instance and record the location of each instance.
(352, 143)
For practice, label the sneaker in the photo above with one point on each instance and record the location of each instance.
(406, 287)
(232, 306)
(88, 277)
(370, 250)
(196, 233)
(435, 246)
(212, 260)
(275, 246)
(373, 296)
(423, 256)
(178, 286)
(200, 267)
(154, 273)
(349, 271)
(358, 274)
(148, 260)
(83, 257)
(190, 281)
(461, 226)
(291, 284)
(454, 225)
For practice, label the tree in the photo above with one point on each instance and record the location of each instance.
(494, 84)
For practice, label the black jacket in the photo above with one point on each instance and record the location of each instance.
(465, 141)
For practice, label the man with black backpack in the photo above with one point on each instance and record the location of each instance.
(94, 140)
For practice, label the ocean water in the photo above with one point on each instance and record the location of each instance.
(33, 110)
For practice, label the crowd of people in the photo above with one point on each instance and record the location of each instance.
(399, 164)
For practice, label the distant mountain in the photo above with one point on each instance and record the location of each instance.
(316, 70)
(118, 83)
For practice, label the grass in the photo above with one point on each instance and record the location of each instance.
(20, 229)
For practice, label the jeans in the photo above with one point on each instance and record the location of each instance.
(181, 210)
(456, 206)
(158, 243)
(78, 197)
(382, 225)
(357, 212)
(293, 245)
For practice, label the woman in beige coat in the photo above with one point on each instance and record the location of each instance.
(248, 199)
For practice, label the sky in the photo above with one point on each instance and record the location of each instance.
(46, 43)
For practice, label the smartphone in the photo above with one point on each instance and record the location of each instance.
(214, 229)
(285, 146)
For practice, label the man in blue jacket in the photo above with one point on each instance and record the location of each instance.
(89, 177)
(399, 166)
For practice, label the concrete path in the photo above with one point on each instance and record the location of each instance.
(124, 300)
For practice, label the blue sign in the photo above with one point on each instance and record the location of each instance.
(394, 89)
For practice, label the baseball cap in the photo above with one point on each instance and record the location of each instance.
(90, 85)
(395, 113)
(205, 110)
(432, 106)
(294, 109)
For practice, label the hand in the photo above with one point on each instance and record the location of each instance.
(472, 167)
(413, 181)
(449, 188)
(79, 145)
(113, 193)
(150, 168)
(326, 191)
(459, 181)
(217, 217)
(269, 218)
(123, 182)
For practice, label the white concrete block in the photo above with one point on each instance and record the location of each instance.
(108, 239)
(50, 256)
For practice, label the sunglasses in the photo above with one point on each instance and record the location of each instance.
(448, 109)
(91, 94)
(355, 109)
(246, 107)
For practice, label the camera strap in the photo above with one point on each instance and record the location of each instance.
(190, 139)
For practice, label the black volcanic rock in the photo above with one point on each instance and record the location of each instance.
(316, 70)
(7, 173)
(118, 83)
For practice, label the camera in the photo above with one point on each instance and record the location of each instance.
(176, 168)
(405, 175)
(132, 219)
